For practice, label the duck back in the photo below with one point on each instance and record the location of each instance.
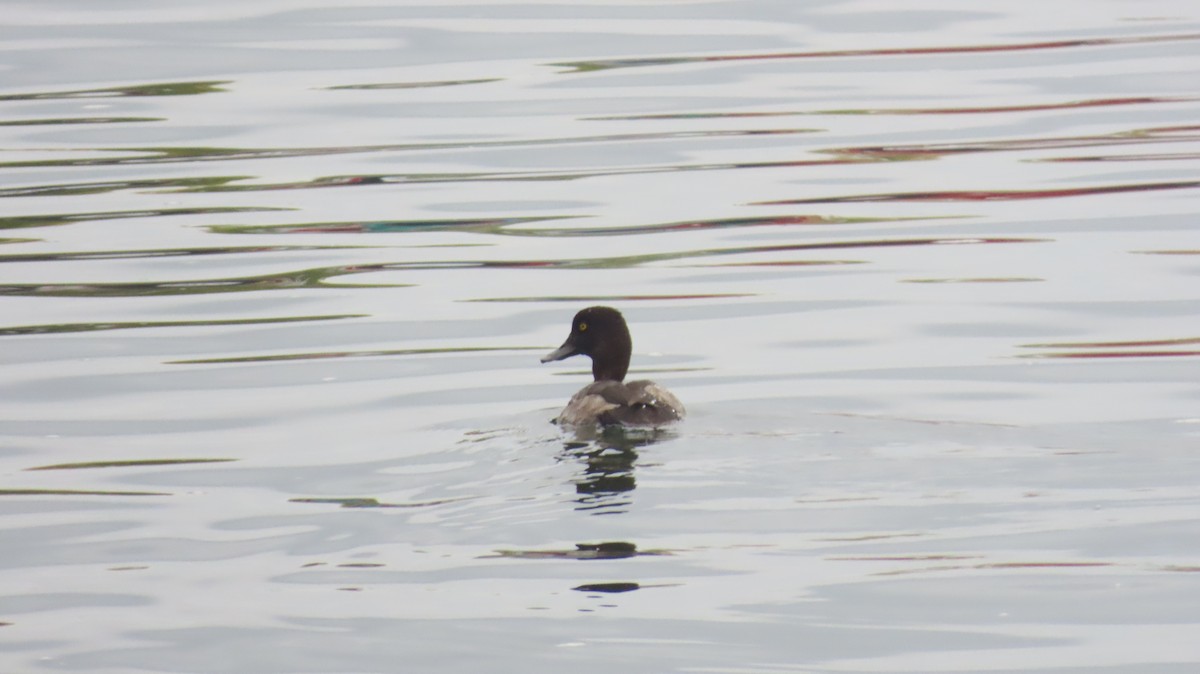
(635, 403)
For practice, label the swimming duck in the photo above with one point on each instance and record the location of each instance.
(601, 332)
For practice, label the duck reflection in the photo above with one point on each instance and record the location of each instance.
(607, 457)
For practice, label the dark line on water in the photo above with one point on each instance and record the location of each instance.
(28, 221)
(784, 263)
(326, 355)
(1169, 134)
(414, 85)
(982, 110)
(1146, 348)
(56, 121)
(611, 64)
(73, 189)
(838, 157)
(133, 463)
(59, 328)
(174, 155)
(1115, 345)
(977, 279)
(308, 278)
(625, 261)
(133, 90)
(1163, 156)
(317, 278)
(168, 252)
(475, 225)
(1113, 354)
(989, 195)
(501, 226)
(361, 502)
(77, 492)
(611, 298)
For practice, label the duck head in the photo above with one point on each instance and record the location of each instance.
(601, 333)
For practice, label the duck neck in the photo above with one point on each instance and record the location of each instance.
(609, 370)
(612, 362)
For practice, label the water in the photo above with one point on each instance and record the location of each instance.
(275, 278)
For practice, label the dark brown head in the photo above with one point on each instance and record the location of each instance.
(599, 332)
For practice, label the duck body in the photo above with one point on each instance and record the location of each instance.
(635, 403)
(602, 334)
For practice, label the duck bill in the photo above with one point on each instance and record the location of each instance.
(567, 350)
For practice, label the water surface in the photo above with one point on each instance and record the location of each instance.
(275, 278)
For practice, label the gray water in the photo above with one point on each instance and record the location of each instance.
(275, 278)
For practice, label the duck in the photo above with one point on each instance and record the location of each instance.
(602, 334)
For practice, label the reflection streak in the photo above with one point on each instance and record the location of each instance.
(172, 155)
(610, 64)
(319, 277)
(981, 109)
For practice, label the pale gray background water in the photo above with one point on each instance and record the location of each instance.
(275, 277)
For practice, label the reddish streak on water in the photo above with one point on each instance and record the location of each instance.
(1116, 354)
(898, 51)
(1117, 345)
(991, 195)
(982, 109)
(967, 49)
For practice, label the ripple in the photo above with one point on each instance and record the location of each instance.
(475, 225)
(612, 64)
(55, 220)
(503, 226)
(839, 156)
(325, 355)
(308, 278)
(415, 85)
(991, 195)
(1114, 354)
(971, 110)
(136, 90)
(1111, 345)
(226, 183)
(1170, 134)
(56, 328)
(162, 252)
(132, 463)
(784, 263)
(77, 492)
(1147, 348)
(980, 279)
(175, 155)
(1166, 156)
(73, 189)
(63, 121)
(366, 502)
(611, 298)
(624, 261)
(942, 568)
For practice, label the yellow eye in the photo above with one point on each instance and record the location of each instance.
(583, 327)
